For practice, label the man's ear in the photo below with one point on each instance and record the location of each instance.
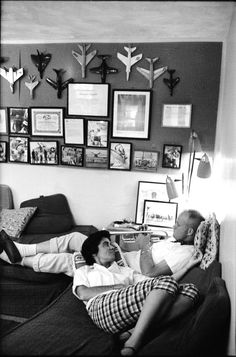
(190, 231)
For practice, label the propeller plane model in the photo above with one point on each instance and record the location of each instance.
(152, 74)
(84, 58)
(11, 75)
(59, 85)
(129, 61)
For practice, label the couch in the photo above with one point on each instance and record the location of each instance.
(50, 320)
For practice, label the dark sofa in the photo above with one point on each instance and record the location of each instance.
(55, 322)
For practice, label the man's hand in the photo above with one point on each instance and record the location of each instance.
(143, 241)
(195, 259)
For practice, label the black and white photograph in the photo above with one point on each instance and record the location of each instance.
(172, 156)
(120, 156)
(3, 121)
(43, 152)
(96, 158)
(145, 160)
(97, 133)
(18, 149)
(72, 155)
(160, 214)
(19, 121)
(3, 151)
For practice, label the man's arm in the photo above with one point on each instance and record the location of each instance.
(149, 268)
(85, 293)
(194, 260)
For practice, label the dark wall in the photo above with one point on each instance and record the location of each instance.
(197, 64)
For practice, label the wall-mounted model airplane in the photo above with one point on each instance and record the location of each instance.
(11, 75)
(41, 61)
(31, 84)
(103, 69)
(82, 58)
(171, 82)
(152, 74)
(59, 85)
(129, 61)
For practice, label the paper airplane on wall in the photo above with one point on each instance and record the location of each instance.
(103, 69)
(11, 75)
(152, 74)
(59, 85)
(32, 84)
(129, 61)
(82, 58)
(41, 61)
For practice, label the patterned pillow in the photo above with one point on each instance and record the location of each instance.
(212, 244)
(201, 235)
(14, 221)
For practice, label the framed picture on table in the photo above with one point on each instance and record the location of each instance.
(160, 213)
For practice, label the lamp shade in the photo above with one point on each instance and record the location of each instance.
(170, 188)
(204, 167)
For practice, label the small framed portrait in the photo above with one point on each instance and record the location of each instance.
(172, 156)
(3, 151)
(19, 121)
(120, 156)
(145, 160)
(176, 115)
(43, 152)
(18, 149)
(74, 131)
(96, 158)
(3, 121)
(72, 155)
(97, 133)
(47, 121)
(160, 213)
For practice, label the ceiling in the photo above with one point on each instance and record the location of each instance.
(114, 21)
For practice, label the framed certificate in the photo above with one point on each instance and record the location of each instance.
(177, 115)
(74, 131)
(47, 121)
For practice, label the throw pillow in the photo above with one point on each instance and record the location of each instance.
(212, 244)
(201, 234)
(14, 221)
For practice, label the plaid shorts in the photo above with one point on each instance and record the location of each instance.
(120, 309)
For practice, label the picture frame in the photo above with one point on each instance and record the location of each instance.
(18, 121)
(176, 115)
(131, 114)
(18, 149)
(148, 190)
(3, 121)
(120, 156)
(171, 157)
(3, 151)
(160, 213)
(72, 155)
(88, 99)
(145, 160)
(97, 133)
(96, 158)
(74, 131)
(43, 152)
(47, 121)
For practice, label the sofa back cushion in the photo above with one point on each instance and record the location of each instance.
(52, 216)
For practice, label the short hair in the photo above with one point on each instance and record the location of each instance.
(195, 218)
(90, 245)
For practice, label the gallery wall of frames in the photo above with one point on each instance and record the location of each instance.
(107, 106)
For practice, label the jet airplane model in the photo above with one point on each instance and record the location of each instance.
(82, 58)
(152, 74)
(32, 84)
(103, 69)
(11, 75)
(171, 83)
(41, 61)
(129, 61)
(59, 85)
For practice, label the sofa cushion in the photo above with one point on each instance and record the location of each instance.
(14, 221)
(53, 215)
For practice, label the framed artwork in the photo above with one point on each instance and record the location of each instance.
(145, 160)
(88, 99)
(43, 152)
(159, 213)
(176, 115)
(18, 149)
(172, 156)
(97, 133)
(131, 114)
(149, 191)
(3, 121)
(3, 151)
(96, 158)
(120, 156)
(72, 155)
(47, 121)
(19, 121)
(74, 131)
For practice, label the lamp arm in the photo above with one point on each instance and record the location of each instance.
(190, 173)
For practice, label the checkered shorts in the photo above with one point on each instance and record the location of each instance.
(120, 309)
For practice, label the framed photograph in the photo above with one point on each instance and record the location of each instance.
(176, 115)
(159, 213)
(120, 156)
(72, 155)
(149, 191)
(97, 133)
(3, 151)
(18, 149)
(74, 131)
(3, 121)
(172, 156)
(43, 152)
(96, 158)
(88, 99)
(145, 160)
(47, 121)
(131, 114)
(19, 121)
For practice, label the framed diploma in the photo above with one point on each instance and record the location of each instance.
(88, 99)
(74, 131)
(176, 115)
(3, 121)
(47, 121)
